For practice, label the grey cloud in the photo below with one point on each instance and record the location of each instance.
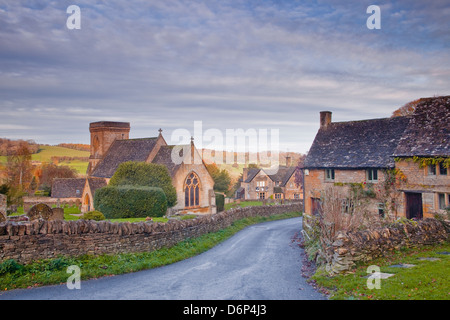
(227, 63)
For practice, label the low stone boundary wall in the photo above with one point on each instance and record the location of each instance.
(348, 248)
(40, 239)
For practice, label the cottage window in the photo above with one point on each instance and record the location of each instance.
(381, 209)
(329, 174)
(442, 169)
(441, 197)
(347, 206)
(432, 170)
(192, 191)
(372, 175)
(278, 196)
(262, 195)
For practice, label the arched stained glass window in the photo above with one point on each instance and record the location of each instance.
(192, 191)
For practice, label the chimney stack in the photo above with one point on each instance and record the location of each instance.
(244, 174)
(325, 119)
(288, 160)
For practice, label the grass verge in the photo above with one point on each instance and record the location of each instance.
(427, 280)
(53, 271)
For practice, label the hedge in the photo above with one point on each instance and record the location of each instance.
(130, 201)
(147, 175)
(93, 215)
(220, 202)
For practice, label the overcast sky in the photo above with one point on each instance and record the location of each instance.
(237, 64)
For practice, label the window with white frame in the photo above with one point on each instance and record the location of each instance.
(329, 174)
(432, 170)
(441, 199)
(372, 175)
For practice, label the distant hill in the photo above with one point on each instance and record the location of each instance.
(76, 156)
(235, 170)
(76, 146)
(208, 156)
(75, 159)
(9, 147)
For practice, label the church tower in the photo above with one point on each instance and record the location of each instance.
(103, 134)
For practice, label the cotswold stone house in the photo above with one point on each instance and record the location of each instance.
(257, 184)
(111, 146)
(401, 164)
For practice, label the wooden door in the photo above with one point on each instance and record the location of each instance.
(316, 206)
(414, 208)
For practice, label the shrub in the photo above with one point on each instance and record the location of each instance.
(93, 215)
(130, 201)
(220, 202)
(147, 175)
(57, 264)
(9, 266)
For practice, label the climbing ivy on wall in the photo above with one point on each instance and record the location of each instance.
(426, 161)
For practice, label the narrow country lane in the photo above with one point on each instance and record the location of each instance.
(258, 263)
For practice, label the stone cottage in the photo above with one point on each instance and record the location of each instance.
(400, 163)
(260, 184)
(111, 146)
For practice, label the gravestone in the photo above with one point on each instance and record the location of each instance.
(40, 211)
(57, 214)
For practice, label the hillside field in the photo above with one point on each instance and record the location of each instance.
(45, 154)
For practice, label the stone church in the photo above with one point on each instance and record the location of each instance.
(111, 146)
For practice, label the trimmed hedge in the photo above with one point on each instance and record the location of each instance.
(145, 174)
(93, 215)
(130, 202)
(220, 202)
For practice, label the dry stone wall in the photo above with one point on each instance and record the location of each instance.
(349, 248)
(41, 239)
(2, 207)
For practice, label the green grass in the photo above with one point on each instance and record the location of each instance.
(71, 212)
(244, 204)
(428, 280)
(45, 154)
(53, 271)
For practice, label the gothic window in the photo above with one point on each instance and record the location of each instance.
(192, 191)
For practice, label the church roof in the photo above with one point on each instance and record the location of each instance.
(164, 156)
(96, 183)
(68, 187)
(122, 151)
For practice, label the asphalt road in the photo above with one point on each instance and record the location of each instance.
(258, 263)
